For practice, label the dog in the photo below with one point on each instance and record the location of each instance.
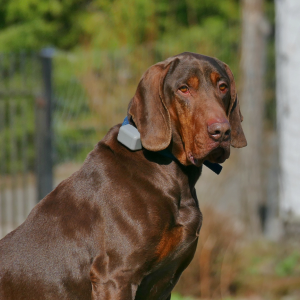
(126, 225)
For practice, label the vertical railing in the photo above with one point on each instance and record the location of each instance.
(44, 161)
(2, 166)
(24, 138)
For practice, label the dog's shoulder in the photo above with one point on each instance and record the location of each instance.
(109, 154)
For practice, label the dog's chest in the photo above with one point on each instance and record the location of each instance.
(180, 218)
(174, 252)
(178, 237)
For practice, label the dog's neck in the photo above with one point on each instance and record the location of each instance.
(175, 150)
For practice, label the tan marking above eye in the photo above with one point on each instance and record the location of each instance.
(193, 82)
(215, 76)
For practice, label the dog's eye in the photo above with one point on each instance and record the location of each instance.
(184, 89)
(223, 87)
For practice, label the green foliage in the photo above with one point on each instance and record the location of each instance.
(32, 24)
(19, 83)
(119, 23)
(269, 269)
(288, 265)
(17, 134)
(176, 296)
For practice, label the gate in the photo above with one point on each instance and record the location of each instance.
(32, 106)
(19, 87)
(52, 117)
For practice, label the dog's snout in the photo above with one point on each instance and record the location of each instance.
(219, 131)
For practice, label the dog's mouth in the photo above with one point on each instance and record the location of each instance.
(217, 155)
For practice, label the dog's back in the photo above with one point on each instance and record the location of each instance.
(49, 255)
(42, 259)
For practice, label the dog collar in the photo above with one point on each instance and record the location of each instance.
(130, 137)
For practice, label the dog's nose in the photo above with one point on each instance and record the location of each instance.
(219, 131)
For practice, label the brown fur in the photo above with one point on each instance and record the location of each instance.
(126, 224)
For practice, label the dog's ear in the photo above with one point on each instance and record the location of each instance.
(238, 139)
(148, 108)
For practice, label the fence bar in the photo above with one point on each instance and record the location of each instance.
(3, 215)
(24, 154)
(44, 128)
(13, 164)
(12, 105)
(24, 141)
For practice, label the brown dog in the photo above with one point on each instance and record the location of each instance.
(126, 224)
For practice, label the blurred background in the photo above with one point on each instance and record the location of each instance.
(68, 69)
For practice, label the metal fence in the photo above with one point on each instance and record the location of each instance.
(53, 110)
(19, 86)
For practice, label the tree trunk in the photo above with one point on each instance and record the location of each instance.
(255, 29)
(288, 105)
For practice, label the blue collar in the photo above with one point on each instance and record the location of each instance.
(126, 121)
(213, 166)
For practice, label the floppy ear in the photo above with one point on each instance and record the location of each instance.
(148, 108)
(238, 139)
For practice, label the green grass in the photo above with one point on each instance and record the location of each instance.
(176, 296)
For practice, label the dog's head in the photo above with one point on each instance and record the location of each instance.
(188, 103)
